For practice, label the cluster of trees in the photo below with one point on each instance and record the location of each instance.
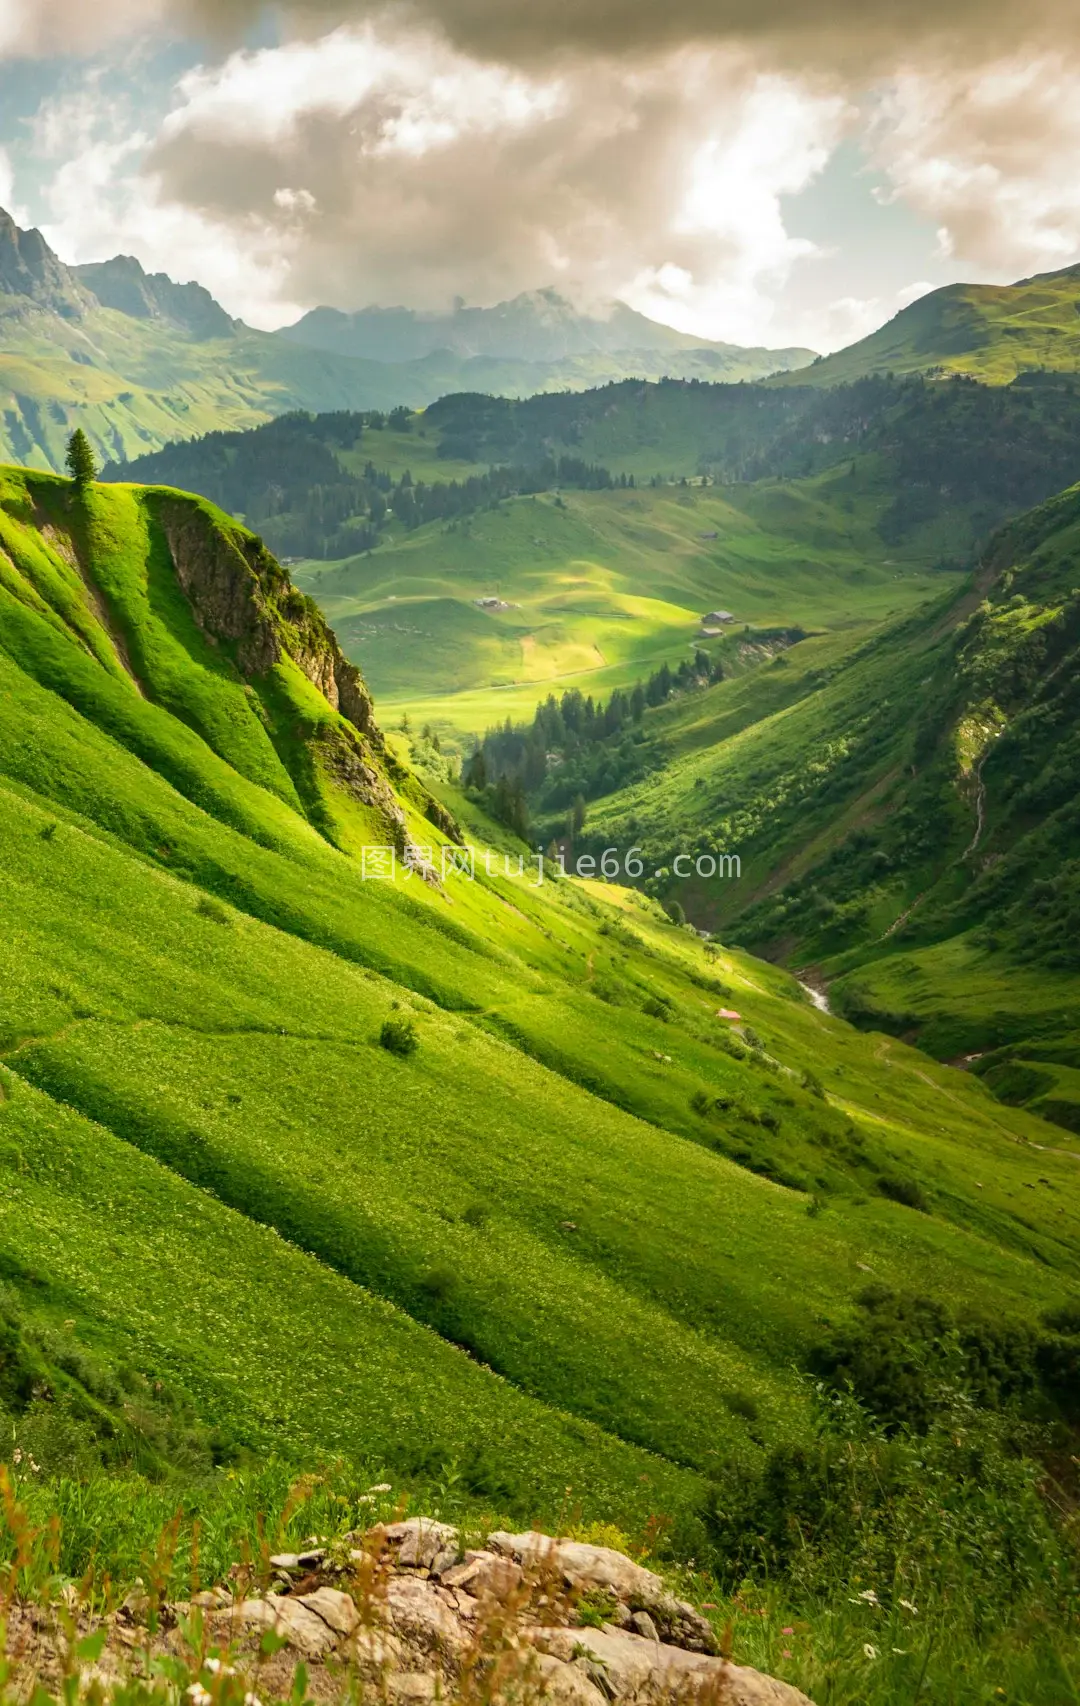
(945, 443)
(575, 749)
(292, 481)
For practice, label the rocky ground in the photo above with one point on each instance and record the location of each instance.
(404, 1613)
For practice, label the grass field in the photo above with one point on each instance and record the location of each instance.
(602, 587)
(583, 1234)
(904, 811)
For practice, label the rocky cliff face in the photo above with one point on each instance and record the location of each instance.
(241, 595)
(30, 270)
(243, 600)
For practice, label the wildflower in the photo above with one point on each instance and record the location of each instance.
(198, 1695)
(788, 1629)
(252, 1700)
(870, 1596)
(870, 1650)
(907, 1605)
(366, 1499)
(16, 1456)
(217, 1667)
(786, 1654)
(381, 1487)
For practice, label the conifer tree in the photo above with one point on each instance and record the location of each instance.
(80, 458)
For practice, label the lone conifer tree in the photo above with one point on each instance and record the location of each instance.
(80, 458)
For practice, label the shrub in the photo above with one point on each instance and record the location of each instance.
(905, 1514)
(1065, 1320)
(903, 1190)
(741, 1404)
(438, 1283)
(398, 1036)
(208, 907)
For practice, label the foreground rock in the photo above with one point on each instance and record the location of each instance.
(406, 1614)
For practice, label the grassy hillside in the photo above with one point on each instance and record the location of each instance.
(423, 1173)
(990, 332)
(905, 815)
(599, 588)
(794, 508)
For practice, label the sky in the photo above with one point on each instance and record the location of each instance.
(774, 172)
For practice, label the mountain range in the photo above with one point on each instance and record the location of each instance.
(137, 360)
(538, 326)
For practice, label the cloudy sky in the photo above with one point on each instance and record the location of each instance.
(761, 171)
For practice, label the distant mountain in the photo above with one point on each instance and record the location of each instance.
(31, 273)
(991, 332)
(139, 361)
(122, 284)
(538, 326)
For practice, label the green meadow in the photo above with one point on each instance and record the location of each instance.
(572, 1246)
(601, 588)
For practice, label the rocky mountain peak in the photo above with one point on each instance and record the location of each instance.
(29, 268)
(123, 284)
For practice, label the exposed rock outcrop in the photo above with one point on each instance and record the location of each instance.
(407, 1613)
(244, 601)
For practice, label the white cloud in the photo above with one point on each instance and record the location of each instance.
(992, 159)
(8, 199)
(379, 163)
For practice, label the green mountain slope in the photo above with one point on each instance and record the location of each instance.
(598, 589)
(906, 814)
(463, 1253)
(990, 332)
(804, 508)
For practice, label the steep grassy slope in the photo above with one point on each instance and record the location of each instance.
(992, 332)
(573, 1218)
(906, 816)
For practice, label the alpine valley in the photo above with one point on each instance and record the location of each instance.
(373, 1147)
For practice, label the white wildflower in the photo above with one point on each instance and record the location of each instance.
(381, 1487)
(16, 1456)
(218, 1667)
(907, 1605)
(870, 1650)
(870, 1596)
(252, 1700)
(198, 1695)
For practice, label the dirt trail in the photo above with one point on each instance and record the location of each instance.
(883, 1053)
